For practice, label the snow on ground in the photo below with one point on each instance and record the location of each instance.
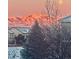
(14, 52)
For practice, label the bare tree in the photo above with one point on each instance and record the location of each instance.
(52, 8)
(47, 6)
(53, 12)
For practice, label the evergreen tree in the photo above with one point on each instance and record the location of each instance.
(36, 47)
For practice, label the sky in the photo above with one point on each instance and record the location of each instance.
(29, 7)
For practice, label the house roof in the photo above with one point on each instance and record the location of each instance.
(66, 19)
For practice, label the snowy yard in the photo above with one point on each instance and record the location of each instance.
(14, 52)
